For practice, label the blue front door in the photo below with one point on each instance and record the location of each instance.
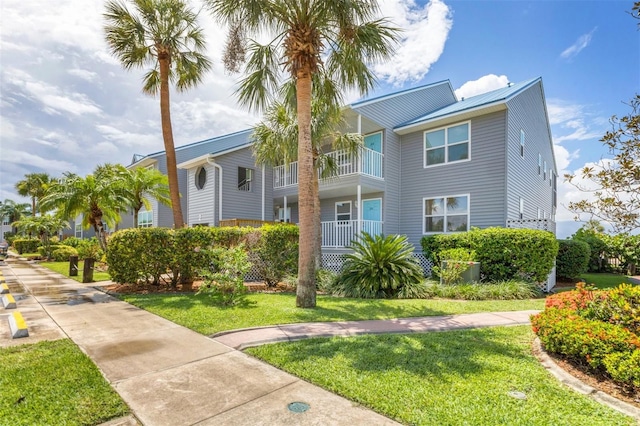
(372, 216)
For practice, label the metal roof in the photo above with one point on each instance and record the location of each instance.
(474, 102)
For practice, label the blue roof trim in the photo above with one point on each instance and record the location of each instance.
(216, 149)
(495, 96)
(393, 94)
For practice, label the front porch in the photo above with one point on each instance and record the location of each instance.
(340, 233)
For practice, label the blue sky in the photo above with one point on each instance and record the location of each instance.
(66, 104)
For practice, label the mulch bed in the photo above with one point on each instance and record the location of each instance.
(145, 288)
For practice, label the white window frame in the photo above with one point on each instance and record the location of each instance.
(521, 143)
(424, 213)
(521, 209)
(446, 145)
(196, 178)
(544, 174)
(6, 221)
(77, 232)
(284, 216)
(540, 164)
(342, 203)
(145, 224)
(248, 179)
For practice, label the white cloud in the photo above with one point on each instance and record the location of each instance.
(575, 119)
(425, 32)
(33, 160)
(581, 43)
(83, 74)
(484, 84)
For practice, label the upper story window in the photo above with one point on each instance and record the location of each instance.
(201, 178)
(446, 145)
(245, 176)
(521, 143)
(544, 171)
(554, 191)
(446, 214)
(5, 221)
(539, 164)
(145, 219)
(521, 209)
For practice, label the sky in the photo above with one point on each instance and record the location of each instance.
(67, 105)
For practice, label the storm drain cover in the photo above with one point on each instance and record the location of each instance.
(298, 407)
(517, 395)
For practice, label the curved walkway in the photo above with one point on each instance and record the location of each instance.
(170, 375)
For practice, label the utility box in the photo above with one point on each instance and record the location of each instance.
(470, 275)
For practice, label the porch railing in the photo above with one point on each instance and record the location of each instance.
(368, 162)
(340, 233)
(255, 223)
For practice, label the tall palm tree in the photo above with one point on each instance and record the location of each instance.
(34, 185)
(334, 38)
(275, 143)
(140, 185)
(99, 197)
(164, 36)
(13, 211)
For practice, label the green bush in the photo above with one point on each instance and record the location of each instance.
(598, 248)
(504, 290)
(573, 259)
(224, 279)
(277, 252)
(71, 242)
(47, 252)
(620, 306)
(190, 252)
(378, 268)
(90, 249)
(26, 245)
(62, 253)
(9, 237)
(504, 253)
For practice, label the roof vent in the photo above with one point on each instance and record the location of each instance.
(509, 84)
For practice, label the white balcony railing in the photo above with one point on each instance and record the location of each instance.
(340, 233)
(368, 163)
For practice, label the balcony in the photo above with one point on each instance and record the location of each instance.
(340, 233)
(368, 163)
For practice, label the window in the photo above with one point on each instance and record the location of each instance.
(343, 211)
(244, 179)
(145, 219)
(554, 191)
(539, 213)
(521, 143)
(544, 171)
(551, 177)
(282, 217)
(201, 178)
(539, 164)
(521, 208)
(5, 221)
(78, 230)
(446, 214)
(446, 145)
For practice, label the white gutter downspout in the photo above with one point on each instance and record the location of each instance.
(263, 193)
(211, 161)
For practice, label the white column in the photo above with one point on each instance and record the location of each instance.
(285, 209)
(359, 207)
(263, 193)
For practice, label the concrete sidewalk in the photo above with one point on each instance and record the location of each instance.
(170, 375)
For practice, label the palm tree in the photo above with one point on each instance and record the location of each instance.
(44, 226)
(34, 185)
(13, 211)
(275, 143)
(99, 197)
(163, 35)
(141, 184)
(333, 38)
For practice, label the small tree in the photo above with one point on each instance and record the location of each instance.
(44, 227)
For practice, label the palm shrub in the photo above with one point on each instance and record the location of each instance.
(379, 267)
(224, 280)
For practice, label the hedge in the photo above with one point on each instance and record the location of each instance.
(503, 253)
(149, 253)
(26, 245)
(573, 259)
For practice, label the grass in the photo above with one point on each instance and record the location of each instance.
(54, 383)
(603, 280)
(63, 268)
(447, 378)
(197, 312)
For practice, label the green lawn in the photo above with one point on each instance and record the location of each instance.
(605, 280)
(63, 268)
(197, 313)
(447, 378)
(54, 383)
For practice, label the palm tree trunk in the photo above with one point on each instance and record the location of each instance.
(169, 147)
(33, 206)
(317, 221)
(135, 218)
(306, 291)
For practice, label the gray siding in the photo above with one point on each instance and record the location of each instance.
(202, 202)
(483, 177)
(405, 106)
(243, 204)
(527, 112)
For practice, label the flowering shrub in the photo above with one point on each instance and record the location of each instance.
(598, 328)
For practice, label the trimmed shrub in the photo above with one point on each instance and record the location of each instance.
(505, 290)
(277, 252)
(62, 253)
(620, 306)
(378, 268)
(26, 245)
(10, 237)
(90, 249)
(71, 242)
(599, 250)
(47, 252)
(223, 280)
(190, 252)
(504, 253)
(573, 259)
